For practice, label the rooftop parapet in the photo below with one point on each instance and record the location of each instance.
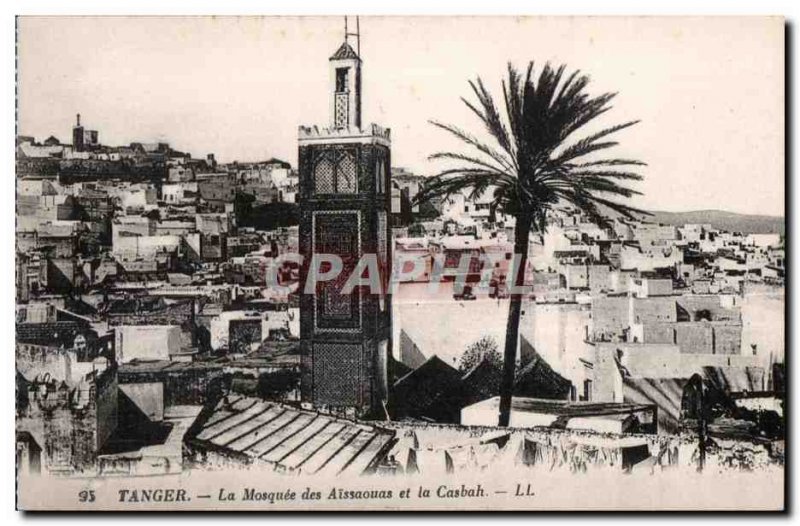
(372, 133)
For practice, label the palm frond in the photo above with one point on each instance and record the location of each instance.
(474, 142)
(491, 117)
(589, 144)
(469, 159)
(612, 174)
(458, 180)
(531, 166)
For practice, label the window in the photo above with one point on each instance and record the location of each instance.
(342, 107)
(339, 178)
(346, 175)
(380, 176)
(341, 80)
(323, 177)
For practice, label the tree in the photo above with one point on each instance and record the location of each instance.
(534, 164)
(485, 348)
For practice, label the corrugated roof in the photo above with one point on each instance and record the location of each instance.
(292, 439)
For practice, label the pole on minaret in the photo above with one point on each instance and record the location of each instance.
(357, 34)
(79, 119)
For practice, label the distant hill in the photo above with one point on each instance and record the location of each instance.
(730, 221)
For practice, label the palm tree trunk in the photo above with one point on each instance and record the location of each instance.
(521, 235)
(702, 428)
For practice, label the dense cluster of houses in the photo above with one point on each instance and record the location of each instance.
(147, 339)
(629, 312)
(137, 289)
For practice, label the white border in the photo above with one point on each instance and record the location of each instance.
(789, 8)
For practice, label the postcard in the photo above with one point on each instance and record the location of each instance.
(400, 263)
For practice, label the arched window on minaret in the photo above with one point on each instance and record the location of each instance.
(342, 83)
(346, 175)
(323, 177)
(380, 176)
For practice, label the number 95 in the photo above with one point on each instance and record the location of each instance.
(86, 495)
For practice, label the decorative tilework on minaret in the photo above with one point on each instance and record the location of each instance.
(344, 205)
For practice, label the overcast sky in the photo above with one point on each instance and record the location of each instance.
(709, 92)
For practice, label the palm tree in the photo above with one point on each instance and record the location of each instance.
(534, 165)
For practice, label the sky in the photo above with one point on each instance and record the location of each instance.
(709, 92)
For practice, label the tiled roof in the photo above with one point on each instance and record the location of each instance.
(165, 366)
(60, 333)
(345, 52)
(136, 305)
(292, 439)
(281, 162)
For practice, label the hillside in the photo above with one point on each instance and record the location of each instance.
(730, 221)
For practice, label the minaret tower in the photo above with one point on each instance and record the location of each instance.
(345, 71)
(77, 134)
(344, 209)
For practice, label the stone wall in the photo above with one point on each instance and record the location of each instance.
(599, 278)
(148, 397)
(651, 360)
(39, 360)
(146, 342)
(188, 386)
(576, 276)
(410, 354)
(71, 423)
(727, 338)
(696, 337)
(654, 310)
(610, 316)
(558, 333)
(180, 313)
(106, 406)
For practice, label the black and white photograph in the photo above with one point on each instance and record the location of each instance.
(400, 263)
